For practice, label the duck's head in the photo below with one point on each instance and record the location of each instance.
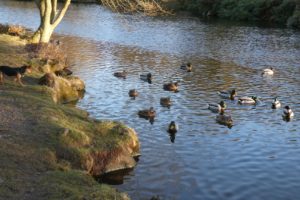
(151, 109)
(287, 107)
(172, 127)
(222, 104)
(233, 92)
(271, 68)
(254, 98)
(149, 76)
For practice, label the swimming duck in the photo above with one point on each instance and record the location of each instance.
(133, 93)
(173, 128)
(217, 107)
(224, 119)
(171, 86)
(248, 100)
(276, 103)
(147, 113)
(165, 101)
(122, 74)
(187, 67)
(146, 77)
(228, 94)
(268, 71)
(287, 113)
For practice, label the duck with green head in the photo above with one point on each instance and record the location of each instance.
(214, 107)
(146, 77)
(228, 94)
(288, 114)
(276, 103)
(248, 100)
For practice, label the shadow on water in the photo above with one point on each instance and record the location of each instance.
(114, 178)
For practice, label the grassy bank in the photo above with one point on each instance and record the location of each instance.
(49, 150)
(284, 12)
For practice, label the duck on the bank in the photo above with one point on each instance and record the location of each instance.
(173, 128)
(214, 107)
(165, 101)
(228, 94)
(276, 103)
(287, 113)
(122, 74)
(146, 77)
(268, 72)
(171, 86)
(133, 93)
(248, 100)
(147, 113)
(187, 67)
(224, 119)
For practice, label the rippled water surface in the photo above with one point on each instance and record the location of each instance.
(258, 158)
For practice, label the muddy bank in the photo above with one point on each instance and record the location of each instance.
(49, 150)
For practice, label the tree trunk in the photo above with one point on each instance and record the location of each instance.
(49, 19)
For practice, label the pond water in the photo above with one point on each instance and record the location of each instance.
(258, 158)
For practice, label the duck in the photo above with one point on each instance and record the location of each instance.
(276, 103)
(248, 100)
(165, 101)
(171, 86)
(228, 94)
(147, 113)
(287, 113)
(268, 72)
(224, 119)
(187, 67)
(173, 128)
(133, 93)
(214, 107)
(122, 74)
(146, 77)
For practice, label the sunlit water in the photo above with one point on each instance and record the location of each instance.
(258, 158)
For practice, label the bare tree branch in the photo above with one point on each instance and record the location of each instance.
(62, 13)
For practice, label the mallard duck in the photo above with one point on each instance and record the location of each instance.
(217, 107)
(287, 113)
(173, 128)
(188, 67)
(133, 93)
(228, 94)
(146, 77)
(171, 86)
(248, 100)
(224, 119)
(276, 103)
(269, 71)
(122, 74)
(165, 101)
(147, 113)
